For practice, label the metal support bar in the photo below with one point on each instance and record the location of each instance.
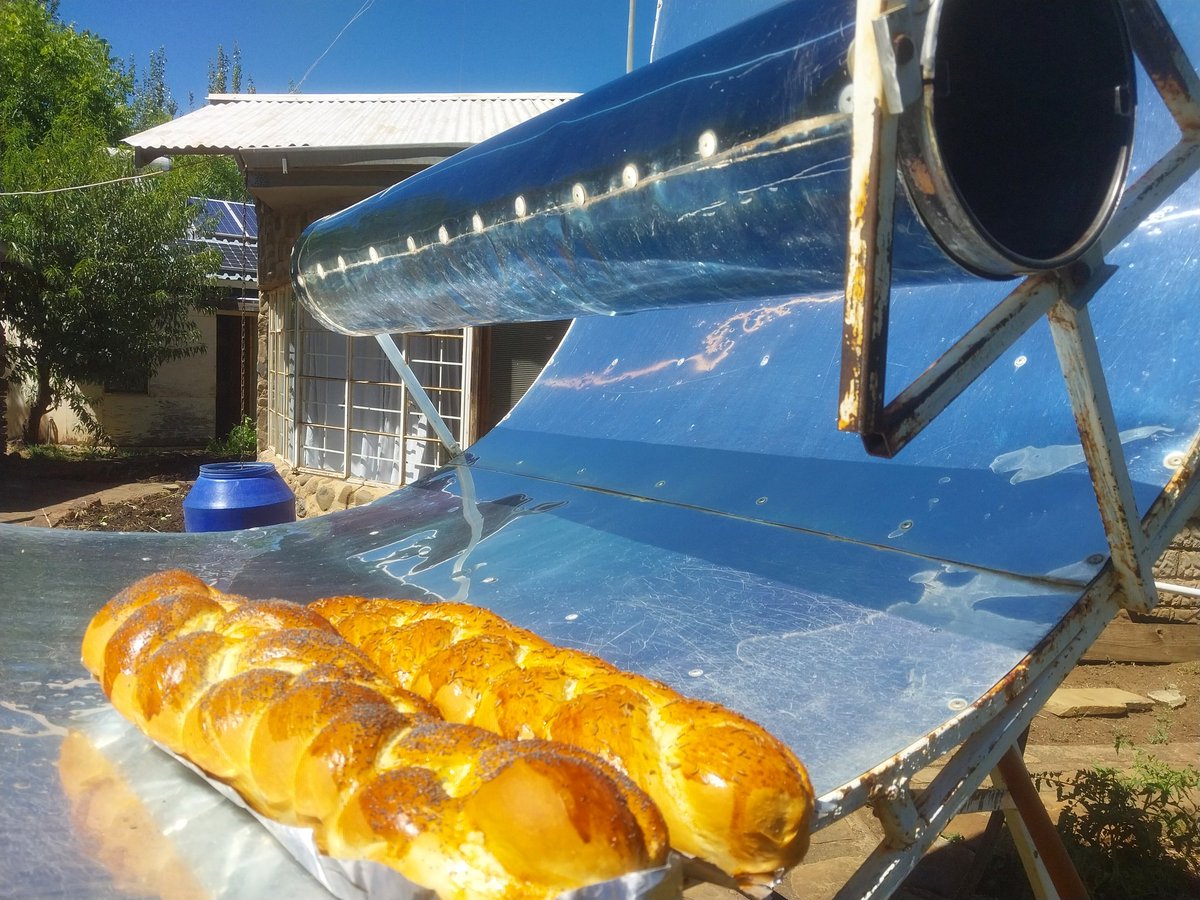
(886, 430)
(1159, 49)
(1176, 503)
(1079, 356)
(1031, 861)
(869, 242)
(896, 811)
(1045, 839)
(935, 388)
(417, 392)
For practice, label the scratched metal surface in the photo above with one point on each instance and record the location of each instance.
(846, 652)
(775, 623)
(813, 611)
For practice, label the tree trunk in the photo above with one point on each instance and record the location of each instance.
(41, 405)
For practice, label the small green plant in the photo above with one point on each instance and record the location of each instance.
(72, 452)
(1163, 719)
(1133, 834)
(242, 440)
(48, 451)
(1120, 739)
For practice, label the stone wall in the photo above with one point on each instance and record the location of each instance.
(1180, 565)
(319, 494)
(277, 234)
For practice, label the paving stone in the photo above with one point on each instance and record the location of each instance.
(1170, 698)
(1068, 702)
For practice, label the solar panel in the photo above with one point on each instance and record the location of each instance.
(229, 218)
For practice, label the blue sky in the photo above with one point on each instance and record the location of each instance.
(394, 46)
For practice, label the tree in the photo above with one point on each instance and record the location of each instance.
(48, 71)
(220, 175)
(225, 72)
(99, 281)
(152, 100)
(152, 104)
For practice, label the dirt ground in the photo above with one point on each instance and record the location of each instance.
(116, 492)
(162, 511)
(1140, 729)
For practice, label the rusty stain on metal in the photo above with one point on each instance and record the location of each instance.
(1008, 687)
(1159, 50)
(920, 176)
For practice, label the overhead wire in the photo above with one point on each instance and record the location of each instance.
(80, 187)
(367, 4)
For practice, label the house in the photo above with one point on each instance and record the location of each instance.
(331, 412)
(190, 401)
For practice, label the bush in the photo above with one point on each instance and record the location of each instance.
(1132, 835)
(242, 440)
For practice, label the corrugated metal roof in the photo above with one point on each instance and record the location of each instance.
(232, 122)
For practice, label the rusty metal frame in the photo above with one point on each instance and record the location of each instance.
(1061, 295)
(913, 820)
(886, 428)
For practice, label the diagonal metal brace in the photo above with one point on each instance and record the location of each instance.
(417, 392)
(1079, 356)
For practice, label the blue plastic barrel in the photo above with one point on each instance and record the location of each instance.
(233, 495)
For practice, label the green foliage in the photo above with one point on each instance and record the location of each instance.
(50, 73)
(1134, 834)
(152, 102)
(1163, 720)
(100, 282)
(76, 453)
(242, 440)
(217, 177)
(225, 75)
(50, 451)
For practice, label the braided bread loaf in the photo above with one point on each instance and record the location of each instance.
(266, 696)
(730, 793)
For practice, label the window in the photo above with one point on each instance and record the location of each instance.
(337, 406)
(281, 379)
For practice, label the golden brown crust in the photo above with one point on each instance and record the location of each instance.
(343, 757)
(132, 598)
(729, 791)
(267, 697)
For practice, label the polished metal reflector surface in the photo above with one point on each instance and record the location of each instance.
(720, 172)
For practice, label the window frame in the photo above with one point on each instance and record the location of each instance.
(288, 375)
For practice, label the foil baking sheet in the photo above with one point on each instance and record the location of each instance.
(151, 835)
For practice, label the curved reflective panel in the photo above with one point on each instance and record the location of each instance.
(731, 407)
(770, 621)
(721, 172)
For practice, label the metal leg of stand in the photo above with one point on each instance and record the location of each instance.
(1050, 870)
(417, 392)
